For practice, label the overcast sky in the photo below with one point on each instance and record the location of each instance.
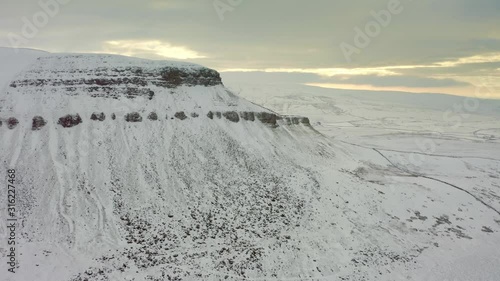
(447, 46)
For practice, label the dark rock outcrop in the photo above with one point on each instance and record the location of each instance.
(218, 114)
(133, 117)
(232, 116)
(172, 77)
(38, 123)
(292, 120)
(153, 116)
(195, 115)
(249, 116)
(180, 115)
(267, 118)
(305, 121)
(69, 120)
(12, 123)
(98, 116)
(210, 115)
(113, 116)
(109, 81)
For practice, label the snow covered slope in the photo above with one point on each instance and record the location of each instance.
(13, 61)
(426, 139)
(131, 169)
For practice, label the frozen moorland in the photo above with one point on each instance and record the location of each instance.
(129, 169)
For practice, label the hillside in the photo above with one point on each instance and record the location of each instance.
(130, 169)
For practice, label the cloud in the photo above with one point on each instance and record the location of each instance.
(446, 39)
(151, 47)
(369, 80)
(398, 81)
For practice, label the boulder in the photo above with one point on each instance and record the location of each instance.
(38, 123)
(210, 115)
(98, 116)
(70, 120)
(180, 115)
(133, 117)
(12, 123)
(249, 116)
(232, 116)
(153, 116)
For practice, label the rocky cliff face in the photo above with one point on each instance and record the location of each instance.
(146, 167)
(107, 78)
(97, 85)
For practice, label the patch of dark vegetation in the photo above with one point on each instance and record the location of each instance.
(98, 116)
(70, 120)
(38, 123)
(133, 117)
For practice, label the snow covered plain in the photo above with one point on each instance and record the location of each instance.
(436, 158)
(202, 198)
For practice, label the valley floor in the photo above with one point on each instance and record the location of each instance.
(447, 146)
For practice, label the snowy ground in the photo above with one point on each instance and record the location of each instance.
(381, 187)
(446, 145)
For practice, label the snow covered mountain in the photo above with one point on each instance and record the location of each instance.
(130, 169)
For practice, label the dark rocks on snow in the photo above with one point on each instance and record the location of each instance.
(267, 118)
(210, 115)
(113, 116)
(173, 77)
(69, 120)
(249, 116)
(180, 115)
(292, 120)
(132, 93)
(98, 116)
(305, 121)
(38, 123)
(195, 115)
(153, 116)
(218, 114)
(12, 123)
(133, 117)
(232, 116)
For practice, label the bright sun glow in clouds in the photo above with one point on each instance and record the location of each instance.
(152, 47)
